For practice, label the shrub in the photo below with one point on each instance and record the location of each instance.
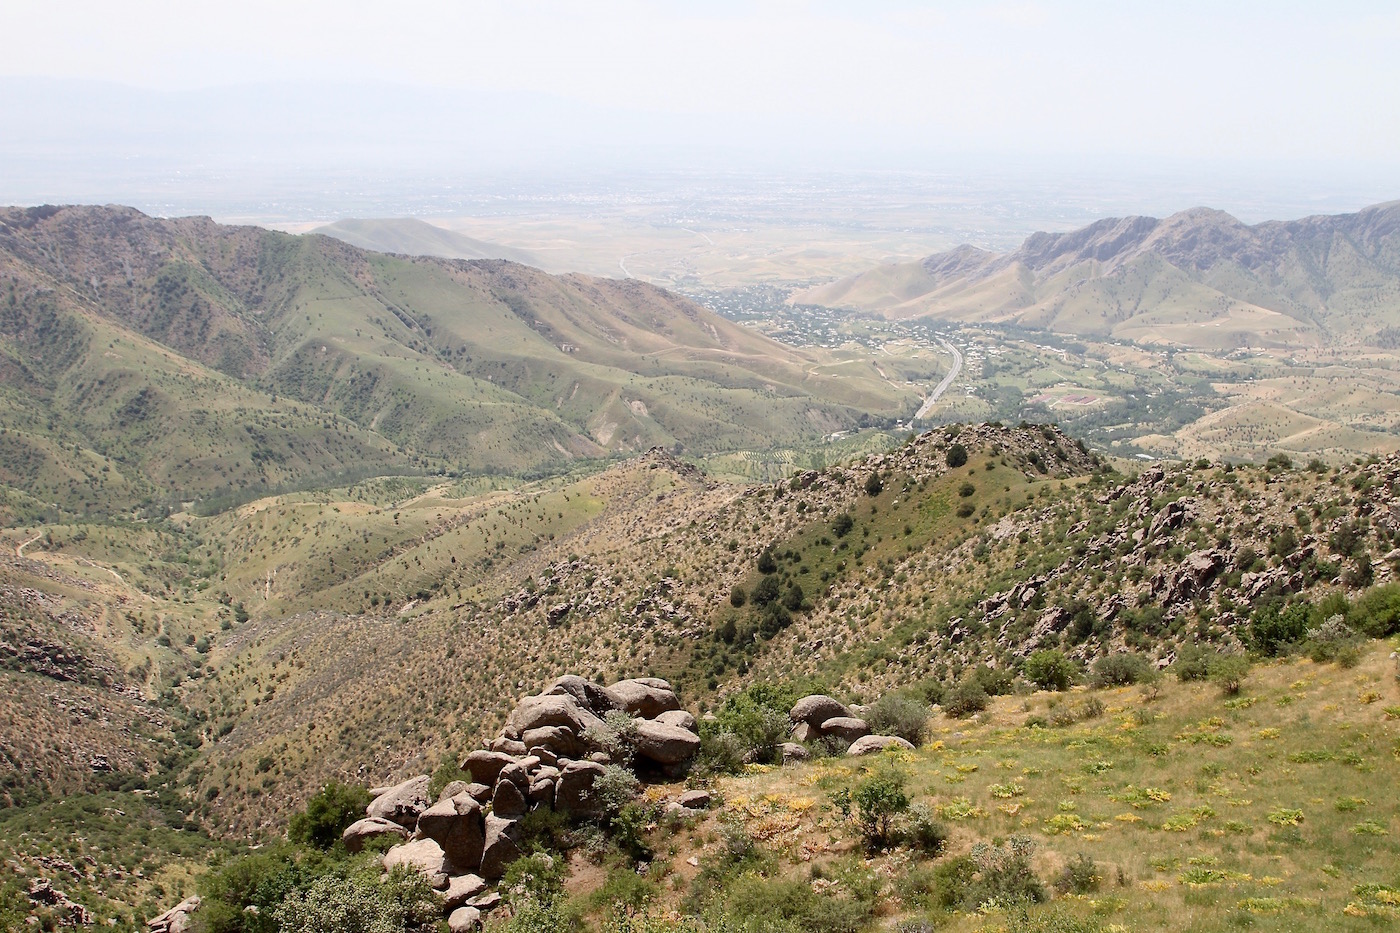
(1273, 630)
(956, 456)
(766, 562)
(616, 735)
(752, 902)
(992, 875)
(1229, 672)
(614, 789)
(1330, 638)
(902, 714)
(360, 903)
(874, 485)
(737, 596)
(922, 831)
(966, 490)
(721, 753)
(327, 814)
(1376, 613)
(965, 509)
(792, 599)
(766, 591)
(757, 718)
(533, 889)
(447, 772)
(1192, 663)
(1049, 669)
(1122, 669)
(966, 698)
(1079, 876)
(879, 799)
(842, 524)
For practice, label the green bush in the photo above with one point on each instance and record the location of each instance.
(879, 800)
(902, 714)
(1275, 630)
(956, 456)
(874, 485)
(361, 903)
(921, 831)
(327, 814)
(842, 524)
(756, 718)
(447, 771)
(1228, 671)
(1049, 669)
(1079, 876)
(1376, 613)
(966, 698)
(737, 596)
(780, 905)
(1192, 662)
(1122, 669)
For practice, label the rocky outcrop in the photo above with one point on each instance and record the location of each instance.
(817, 709)
(401, 803)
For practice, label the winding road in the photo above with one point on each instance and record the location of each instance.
(942, 387)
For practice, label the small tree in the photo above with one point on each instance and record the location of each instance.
(1049, 669)
(874, 485)
(737, 596)
(327, 814)
(879, 800)
(1229, 672)
(956, 456)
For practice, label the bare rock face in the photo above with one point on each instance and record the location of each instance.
(402, 803)
(817, 709)
(501, 847)
(508, 801)
(421, 855)
(452, 789)
(456, 826)
(485, 766)
(647, 697)
(845, 727)
(663, 744)
(573, 793)
(875, 743)
(592, 697)
(679, 717)
(557, 740)
(362, 831)
(805, 732)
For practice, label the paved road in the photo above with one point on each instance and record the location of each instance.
(947, 380)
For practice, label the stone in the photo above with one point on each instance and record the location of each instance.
(845, 727)
(572, 794)
(647, 697)
(679, 717)
(591, 696)
(480, 792)
(509, 800)
(874, 743)
(513, 747)
(501, 846)
(664, 744)
(486, 766)
(462, 889)
(545, 756)
(537, 712)
(695, 799)
(486, 902)
(515, 773)
(456, 825)
(371, 827)
(805, 732)
(421, 855)
(464, 920)
(557, 740)
(402, 803)
(452, 789)
(817, 709)
(792, 752)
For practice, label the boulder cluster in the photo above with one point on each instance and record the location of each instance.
(821, 717)
(552, 750)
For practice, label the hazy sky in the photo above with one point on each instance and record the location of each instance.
(1316, 81)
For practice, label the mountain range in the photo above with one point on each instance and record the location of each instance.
(1199, 278)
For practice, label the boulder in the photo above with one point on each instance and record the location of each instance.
(515, 773)
(362, 831)
(452, 789)
(647, 697)
(421, 855)
(486, 902)
(509, 800)
(513, 747)
(793, 752)
(402, 803)
(501, 846)
(805, 732)
(537, 712)
(695, 800)
(456, 825)
(817, 709)
(874, 743)
(464, 920)
(555, 740)
(480, 792)
(592, 697)
(845, 727)
(486, 766)
(679, 717)
(541, 793)
(462, 889)
(664, 744)
(573, 794)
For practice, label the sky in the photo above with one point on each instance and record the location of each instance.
(1296, 87)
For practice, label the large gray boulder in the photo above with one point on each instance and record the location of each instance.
(371, 827)
(845, 727)
(464, 920)
(557, 740)
(509, 799)
(421, 855)
(592, 697)
(502, 847)
(537, 712)
(402, 803)
(874, 743)
(456, 825)
(679, 717)
(647, 697)
(486, 766)
(665, 744)
(573, 792)
(817, 709)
